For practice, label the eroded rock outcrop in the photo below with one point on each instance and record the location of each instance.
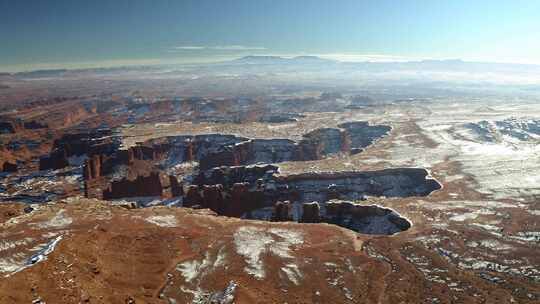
(9, 125)
(399, 182)
(370, 219)
(213, 198)
(193, 196)
(228, 176)
(361, 135)
(92, 167)
(155, 184)
(311, 212)
(215, 150)
(55, 160)
(96, 142)
(240, 199)
(9, 167)
(282, 212)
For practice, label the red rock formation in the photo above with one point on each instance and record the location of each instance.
(345, 142)
(147, 152)
(243, 152)
(189, 151)
(226, 157)
(282, 212)
(10, 126)
(311, 213)
(55, 160)
(193, 196)
(170, 186)
(176, 187)
(9, 167)
(332, 192)
(309, 149)
(31, 125)
(213, 198)
(240, 198)
(92, 167)
(150, 185)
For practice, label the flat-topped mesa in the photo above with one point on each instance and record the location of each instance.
(370, 219)
(325, 141)
(9, 125)
(215, 150)
(233, 201)
(154, 184)
(236, 191)
(80, 144)
(361, 135)
(173, 150)
(228, 176)
(350, 139)
(399, 182)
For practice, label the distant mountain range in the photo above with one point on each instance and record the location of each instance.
(310, 63)
(282, 60)
(456, 65)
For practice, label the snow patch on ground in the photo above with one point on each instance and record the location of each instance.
(163, 220)
(494, 152)
(293, 273)
(7, 245)
(60, 220)
(20, 261)
(253, 242)
(198, 269)
(200, 296)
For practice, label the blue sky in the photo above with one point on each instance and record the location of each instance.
(52, 33)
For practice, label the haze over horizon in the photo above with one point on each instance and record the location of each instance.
(75, 34)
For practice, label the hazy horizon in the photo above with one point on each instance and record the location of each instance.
(67, 34)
